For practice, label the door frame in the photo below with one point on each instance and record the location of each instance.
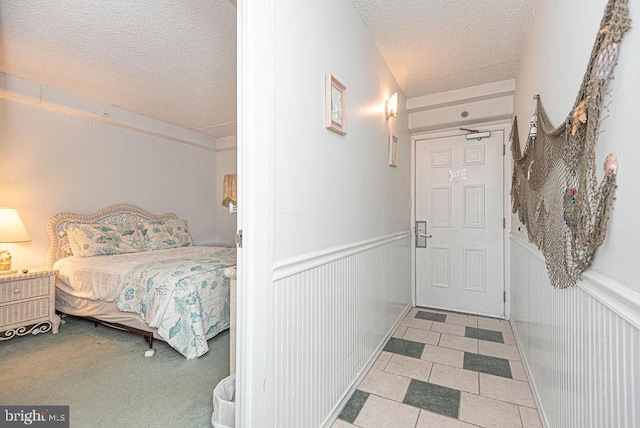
(505, 127)
(256, 141)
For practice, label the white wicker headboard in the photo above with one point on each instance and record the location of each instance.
(112, 214)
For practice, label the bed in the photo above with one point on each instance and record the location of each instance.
(134, 270)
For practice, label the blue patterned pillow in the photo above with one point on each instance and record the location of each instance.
(98, 239)
(161, 235)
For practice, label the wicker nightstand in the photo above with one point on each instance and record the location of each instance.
(27, 304)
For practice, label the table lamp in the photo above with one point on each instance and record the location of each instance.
(11, 230)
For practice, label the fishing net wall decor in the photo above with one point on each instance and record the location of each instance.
(555, 190)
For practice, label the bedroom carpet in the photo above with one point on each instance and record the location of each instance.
(103, 375)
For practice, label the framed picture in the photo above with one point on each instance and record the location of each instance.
(393, 150)
(335, 116)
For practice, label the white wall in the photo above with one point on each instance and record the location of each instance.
(333, 189)
(569, 337)
(326, 220)
(226, 163)
(56, 158)
(555, 72)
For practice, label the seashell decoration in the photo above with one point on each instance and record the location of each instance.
(579, 116)
(611, 164)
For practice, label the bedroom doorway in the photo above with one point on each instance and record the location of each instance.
(459, 255)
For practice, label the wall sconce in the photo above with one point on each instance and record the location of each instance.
(11, 230)
(391, 106)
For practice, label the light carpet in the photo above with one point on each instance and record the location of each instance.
(103, 375)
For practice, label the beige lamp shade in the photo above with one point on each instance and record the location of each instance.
(11, 227)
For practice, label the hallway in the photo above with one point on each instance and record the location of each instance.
(443, 369)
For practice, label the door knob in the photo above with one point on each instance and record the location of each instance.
(424, 235)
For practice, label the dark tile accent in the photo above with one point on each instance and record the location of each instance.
(435, 398)
(404, 347)
(482, 334)
(486, 364)
(354, 405)
(431, 316)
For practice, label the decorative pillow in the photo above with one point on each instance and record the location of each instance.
(66, 246)
(74, 247)
(98, 239)
(65, 242)
(160, 235)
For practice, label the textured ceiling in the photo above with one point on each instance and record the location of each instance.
(434, 46)
(176, 61)
(170, 60)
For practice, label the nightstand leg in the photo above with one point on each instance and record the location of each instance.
(55, 323)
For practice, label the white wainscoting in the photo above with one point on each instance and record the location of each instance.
(581, 345)
(333, 311)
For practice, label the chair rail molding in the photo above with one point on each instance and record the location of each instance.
(295, 265)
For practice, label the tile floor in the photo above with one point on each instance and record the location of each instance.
(446, 370)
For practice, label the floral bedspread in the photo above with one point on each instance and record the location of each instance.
(185, 298)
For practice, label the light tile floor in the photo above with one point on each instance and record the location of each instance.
(446, 370)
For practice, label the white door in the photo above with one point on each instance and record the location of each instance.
(459, 194)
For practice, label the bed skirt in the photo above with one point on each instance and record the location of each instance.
(99, 309)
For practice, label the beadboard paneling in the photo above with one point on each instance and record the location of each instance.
(333, 310)
(581, 345)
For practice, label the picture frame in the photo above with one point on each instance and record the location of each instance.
(335, 116)
(393, 151)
